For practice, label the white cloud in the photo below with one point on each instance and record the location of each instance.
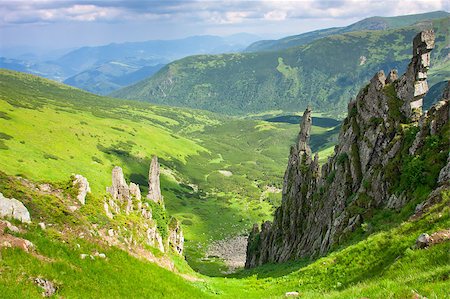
(275, 15)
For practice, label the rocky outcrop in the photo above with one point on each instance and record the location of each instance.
(413, 85)
(176, 238)
(321, 207)
(82, 184)
(127, 199)
(124, 195)
(154, 189)
(119, 189)
(11, 208)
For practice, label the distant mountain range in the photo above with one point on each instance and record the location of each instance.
(102, 69)
(373, 23)
(325, 72)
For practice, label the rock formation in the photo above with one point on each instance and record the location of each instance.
(320, 208)
(413, 85)
(13, 209)
(83, 188)
(127, 198)
(154, 189)
(176, 238)
(123, 193)
(119, 189)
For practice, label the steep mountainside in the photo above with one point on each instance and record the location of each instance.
(324, 73)
(373, 23)
(389, 157)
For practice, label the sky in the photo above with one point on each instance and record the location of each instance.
(60, 24)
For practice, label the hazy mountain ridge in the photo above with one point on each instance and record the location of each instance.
(325, 73)
(372, 23)
(90, 68)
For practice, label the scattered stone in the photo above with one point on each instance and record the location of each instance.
(291, 294)
(12, 208)
(7, 240)
(83, 256)
(423, 241)
(226, 173)
(100, 255)
(83, 188)
(111, 232)
(47, 188)
(72, 208)
(42, 225)
(49, 287)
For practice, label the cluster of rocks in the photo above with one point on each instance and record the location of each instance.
(320, 207)
(49, 288)
(127, 199)
(231, 250)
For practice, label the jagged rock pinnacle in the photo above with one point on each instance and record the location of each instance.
(119, 189)
(321, 206)
(413, 85)
(305, 132)
(154, 189)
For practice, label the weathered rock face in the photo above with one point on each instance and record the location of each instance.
(83, 188)
(176, 238)
(128, 197)
(413, 86)
(119, 189)
(320, 208)
(13, 209)
(154, 189)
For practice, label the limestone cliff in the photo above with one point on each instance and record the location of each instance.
(383, 147)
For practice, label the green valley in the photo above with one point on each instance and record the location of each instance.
(324, 73)
(50, 131)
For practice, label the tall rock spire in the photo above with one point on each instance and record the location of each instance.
(413, 85)
(305, 133)
(154, 189)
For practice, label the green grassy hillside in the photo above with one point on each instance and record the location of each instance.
(380, 262)
(49, 131)
(325, 73)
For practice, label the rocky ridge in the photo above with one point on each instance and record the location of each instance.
(383, 143)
